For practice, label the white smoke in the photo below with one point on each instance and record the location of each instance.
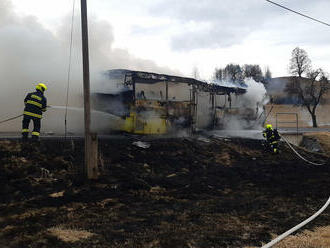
(256, 95)
(226, 83)
(31, 53)
(250, 108)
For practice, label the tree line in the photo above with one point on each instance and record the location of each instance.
(236, 74)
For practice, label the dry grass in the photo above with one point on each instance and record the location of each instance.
(223, 158)
(57, 194)
(31, 213)
(319, 238)
(323, 138)
(69, 235)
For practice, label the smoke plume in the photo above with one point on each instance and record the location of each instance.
(250, 107)
(31, 53)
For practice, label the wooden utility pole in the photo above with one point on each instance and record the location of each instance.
(90, 140)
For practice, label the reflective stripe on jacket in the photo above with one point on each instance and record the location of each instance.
(35, 104)
(271, 135)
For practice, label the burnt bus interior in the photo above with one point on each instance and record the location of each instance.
(151, 103)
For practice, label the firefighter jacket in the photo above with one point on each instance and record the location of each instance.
(35, 104)
(271, 135)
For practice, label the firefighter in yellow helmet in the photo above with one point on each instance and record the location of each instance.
(35, 103)
(272, 137)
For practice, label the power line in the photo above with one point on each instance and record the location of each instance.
(69, 70)
(298, 13)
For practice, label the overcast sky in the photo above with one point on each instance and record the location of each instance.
(206, 34)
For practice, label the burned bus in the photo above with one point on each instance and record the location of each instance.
(151, 103)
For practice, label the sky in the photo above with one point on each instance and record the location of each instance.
(179, 35)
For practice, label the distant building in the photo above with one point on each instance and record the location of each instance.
(283, 100)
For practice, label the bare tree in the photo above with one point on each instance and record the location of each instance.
(219, 74)
(267, 75)
(299, 63)
(310, 91)
(253, 71)
(195, 73)
(236, 74)
(231, 73)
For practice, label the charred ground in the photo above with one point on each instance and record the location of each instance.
(183, 192)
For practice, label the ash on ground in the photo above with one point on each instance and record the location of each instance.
(182, 192)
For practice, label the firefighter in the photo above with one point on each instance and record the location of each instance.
(272, 137)
(35, 104)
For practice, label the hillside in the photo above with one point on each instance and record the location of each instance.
(183, 192)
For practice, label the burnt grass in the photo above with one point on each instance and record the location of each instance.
(179, 192)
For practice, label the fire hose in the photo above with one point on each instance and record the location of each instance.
(297, 227)
(287, 233)
(310, 162)
(10, 119)
(15, 117)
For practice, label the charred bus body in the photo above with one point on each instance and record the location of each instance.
(151, 103)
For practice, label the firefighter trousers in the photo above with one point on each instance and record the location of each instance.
(272, 146)
(36, 127)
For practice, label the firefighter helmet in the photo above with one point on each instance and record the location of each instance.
(42, 87)
(269, 126)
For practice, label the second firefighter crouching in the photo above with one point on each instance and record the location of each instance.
(272, 138)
